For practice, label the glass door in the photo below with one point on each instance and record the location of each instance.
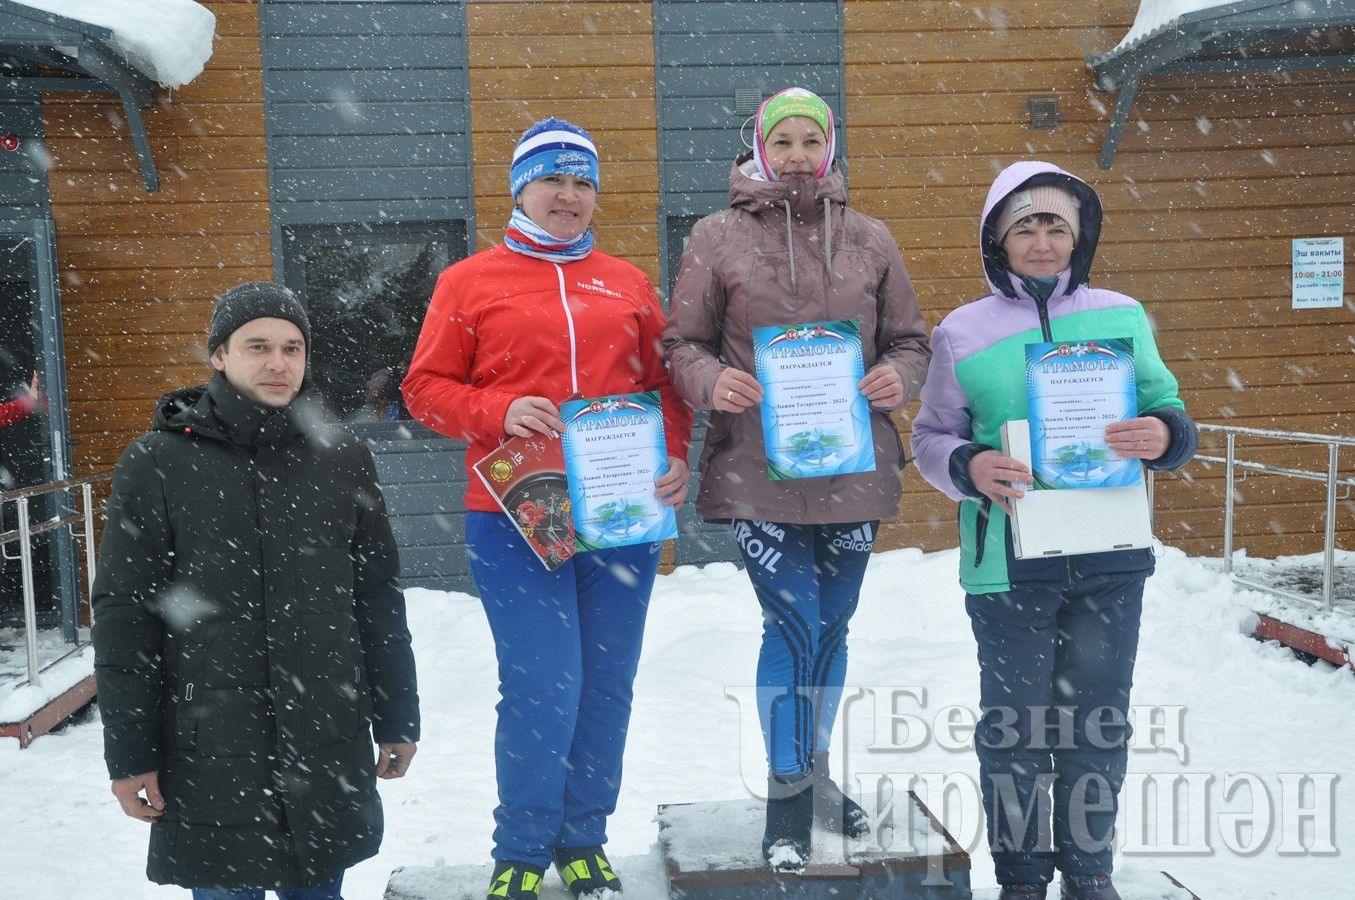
(34, 439)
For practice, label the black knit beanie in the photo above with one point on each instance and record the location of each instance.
(255, 300)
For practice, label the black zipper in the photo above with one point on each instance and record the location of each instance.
(981, 528)
(1042, 307)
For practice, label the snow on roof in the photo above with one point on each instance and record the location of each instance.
(167, 40)
(1156, 14)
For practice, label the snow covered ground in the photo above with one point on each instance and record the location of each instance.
(1302, 575)
(14, 653)
(60, 665)
(1253, 721)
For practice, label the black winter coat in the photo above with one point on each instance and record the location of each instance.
(247, 631)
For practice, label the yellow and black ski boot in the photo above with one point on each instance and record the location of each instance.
(587, 873)
(515, 881)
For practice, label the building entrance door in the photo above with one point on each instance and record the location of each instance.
(34, 444)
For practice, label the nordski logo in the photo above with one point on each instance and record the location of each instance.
(860, 540)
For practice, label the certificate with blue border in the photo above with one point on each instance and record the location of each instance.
(1074, 390)
(614, 450)
(815, 420)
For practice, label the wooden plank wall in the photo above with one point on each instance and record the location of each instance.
(1213, 178)
(139, 271)
(591, 63)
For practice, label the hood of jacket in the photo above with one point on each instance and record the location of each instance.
(800, 200)
(217, 411)
(1030, 173)
(802, 195)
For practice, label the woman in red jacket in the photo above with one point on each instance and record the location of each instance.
(511, 332)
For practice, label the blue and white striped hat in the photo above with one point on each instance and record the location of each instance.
(550, 146)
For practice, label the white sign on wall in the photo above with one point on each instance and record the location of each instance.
(1319, 275)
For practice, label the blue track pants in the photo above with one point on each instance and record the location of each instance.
(1056, 666)
(568, 643)
(807, 579)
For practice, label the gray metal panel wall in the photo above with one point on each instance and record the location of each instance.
(423, 478)
(367, 109)
(704, 52)
(367, 112)
(23, 171)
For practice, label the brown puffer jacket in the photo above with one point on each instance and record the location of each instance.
(763, 262)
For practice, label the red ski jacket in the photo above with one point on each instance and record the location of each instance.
(502, 325)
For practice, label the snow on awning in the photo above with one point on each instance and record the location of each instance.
(97, 46)
(1179, 37)
(168, 41)
(1155, 15)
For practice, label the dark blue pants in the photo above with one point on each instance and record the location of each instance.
(327, 891)
(1056, 666)
(807, 579)
(568, 643)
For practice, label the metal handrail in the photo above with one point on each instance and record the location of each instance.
(24, 535)
(50, 487)
(1332, 442)
(1302, 437)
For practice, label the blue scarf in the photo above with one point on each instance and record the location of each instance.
(530, 239)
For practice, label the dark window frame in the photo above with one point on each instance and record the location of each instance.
(298, 239)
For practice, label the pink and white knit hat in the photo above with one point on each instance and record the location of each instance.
(1042, 198)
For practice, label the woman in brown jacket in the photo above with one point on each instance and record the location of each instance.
(789, 252)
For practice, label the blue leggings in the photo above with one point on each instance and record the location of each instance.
(568, 643)
(808, 580)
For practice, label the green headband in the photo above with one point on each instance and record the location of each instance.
(793, 102)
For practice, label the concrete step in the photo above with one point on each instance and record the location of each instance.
(713, 851)
(642, 877)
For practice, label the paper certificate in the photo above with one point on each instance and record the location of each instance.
(1074, 390)
(614, 450)
(815, 421)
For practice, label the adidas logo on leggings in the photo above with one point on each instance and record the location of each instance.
(860, 540)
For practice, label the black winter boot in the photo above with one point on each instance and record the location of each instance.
(587, 872)
(834, 809)
(515, 881)
(1024, 892)
(1088, 887)
(790, 819)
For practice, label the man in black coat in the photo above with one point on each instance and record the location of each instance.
(250, 639)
